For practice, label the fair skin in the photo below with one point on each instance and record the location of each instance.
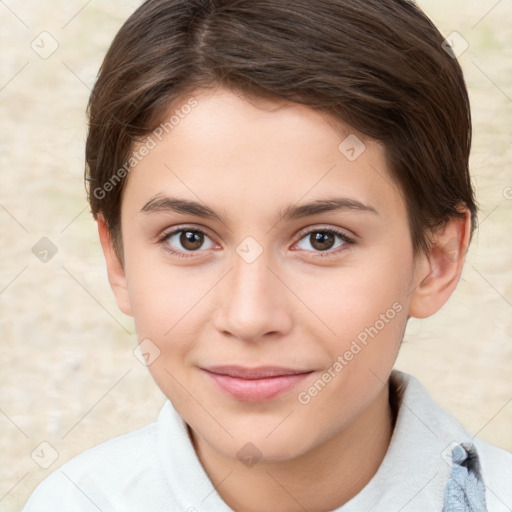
(298, 305)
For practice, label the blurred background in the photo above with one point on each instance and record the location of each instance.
(68, 375)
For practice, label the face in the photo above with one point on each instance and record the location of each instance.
(276, 323)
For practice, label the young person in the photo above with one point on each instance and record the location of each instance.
(279, 186)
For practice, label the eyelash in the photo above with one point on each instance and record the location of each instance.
(323, 254)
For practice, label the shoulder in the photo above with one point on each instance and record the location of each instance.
(495, 463)
(95, 478)
(496, 467)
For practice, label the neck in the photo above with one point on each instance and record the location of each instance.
(322, 479)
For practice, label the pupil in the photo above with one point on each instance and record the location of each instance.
(322, 241)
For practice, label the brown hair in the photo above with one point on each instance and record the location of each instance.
(377, 65)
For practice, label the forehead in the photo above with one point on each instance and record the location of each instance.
(230, 150)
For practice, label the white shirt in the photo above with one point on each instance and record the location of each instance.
(156, 469)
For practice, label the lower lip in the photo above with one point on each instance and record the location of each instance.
(257, 390)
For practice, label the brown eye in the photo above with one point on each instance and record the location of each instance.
(191, 240)
(181, 241)
(323, 240)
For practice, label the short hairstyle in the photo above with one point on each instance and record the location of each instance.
(377, 65)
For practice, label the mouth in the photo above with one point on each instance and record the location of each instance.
(255, 384)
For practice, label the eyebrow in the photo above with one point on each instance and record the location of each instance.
(160, 204)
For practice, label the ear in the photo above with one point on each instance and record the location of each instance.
(115, 270)
(439, 271)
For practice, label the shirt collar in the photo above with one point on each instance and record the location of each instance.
(412, 475)
(417, 464)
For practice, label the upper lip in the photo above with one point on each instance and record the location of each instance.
(260, 372)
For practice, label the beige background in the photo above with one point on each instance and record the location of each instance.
(68, 374)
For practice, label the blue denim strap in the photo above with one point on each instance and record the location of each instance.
(465, 489)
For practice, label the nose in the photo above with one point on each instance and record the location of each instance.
(254, 303)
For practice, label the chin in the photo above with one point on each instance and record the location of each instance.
(254, 446)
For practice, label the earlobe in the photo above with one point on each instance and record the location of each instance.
(115, 270)
(439, 271)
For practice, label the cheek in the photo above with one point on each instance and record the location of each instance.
(356, 298)
(365, 308)
(168, 305)
(165, 308)
(160, 309)
(369, 324)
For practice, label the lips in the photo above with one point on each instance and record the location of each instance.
(255, 384)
